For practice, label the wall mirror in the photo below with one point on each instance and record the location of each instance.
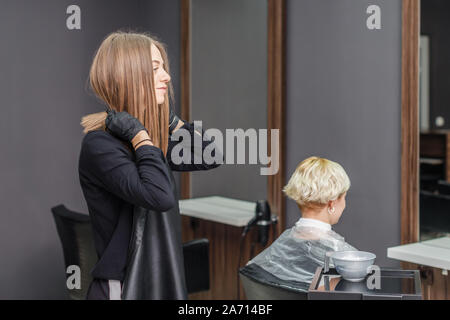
(434, 120)
(425, 134)
(231, 78)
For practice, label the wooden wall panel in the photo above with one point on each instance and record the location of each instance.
(410, 122)
(185, 177)
(276, 102)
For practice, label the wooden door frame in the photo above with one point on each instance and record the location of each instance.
(275, 96)
(185, 183)
(410, 122)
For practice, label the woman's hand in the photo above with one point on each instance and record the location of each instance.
(123, 125)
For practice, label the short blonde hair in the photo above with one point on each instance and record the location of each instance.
(316, 181)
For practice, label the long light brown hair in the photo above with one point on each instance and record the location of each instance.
(121, 76)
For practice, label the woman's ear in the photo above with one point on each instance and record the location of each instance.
(331, 207)
(331, 204)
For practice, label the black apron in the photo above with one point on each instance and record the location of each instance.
(155, 268)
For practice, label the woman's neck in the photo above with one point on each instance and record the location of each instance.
(321, 215)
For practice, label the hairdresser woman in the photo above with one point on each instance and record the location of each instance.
(123, 161)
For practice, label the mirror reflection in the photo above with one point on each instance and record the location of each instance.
(229, 87)
(434, 120)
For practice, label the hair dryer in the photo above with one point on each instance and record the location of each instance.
(263, 219)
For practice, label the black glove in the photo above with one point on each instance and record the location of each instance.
(173, 120)
(123, 125)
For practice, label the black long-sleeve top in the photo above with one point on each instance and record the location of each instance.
(114, 178)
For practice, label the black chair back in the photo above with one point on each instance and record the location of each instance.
(260, 285)
(196, 265)
(75, 231)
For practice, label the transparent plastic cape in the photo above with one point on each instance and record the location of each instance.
(297, 253)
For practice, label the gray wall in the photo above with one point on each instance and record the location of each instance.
(229, 86)
(42, 85)
(343, 103)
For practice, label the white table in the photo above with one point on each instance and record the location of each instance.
(219, 209)
(433, 253)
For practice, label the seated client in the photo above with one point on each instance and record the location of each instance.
(319, 187)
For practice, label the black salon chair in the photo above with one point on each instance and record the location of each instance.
(261, 285)
(75, 232)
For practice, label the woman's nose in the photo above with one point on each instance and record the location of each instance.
(165, 77)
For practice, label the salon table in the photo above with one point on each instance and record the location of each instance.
(223, 210)
(433, 253)
(432, 257)
(221, 220)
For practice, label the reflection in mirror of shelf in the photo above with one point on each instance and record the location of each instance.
(436, 145)
(431, 161)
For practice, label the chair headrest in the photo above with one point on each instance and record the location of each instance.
(62, 212)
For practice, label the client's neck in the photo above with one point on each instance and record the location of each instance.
(321, 215)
